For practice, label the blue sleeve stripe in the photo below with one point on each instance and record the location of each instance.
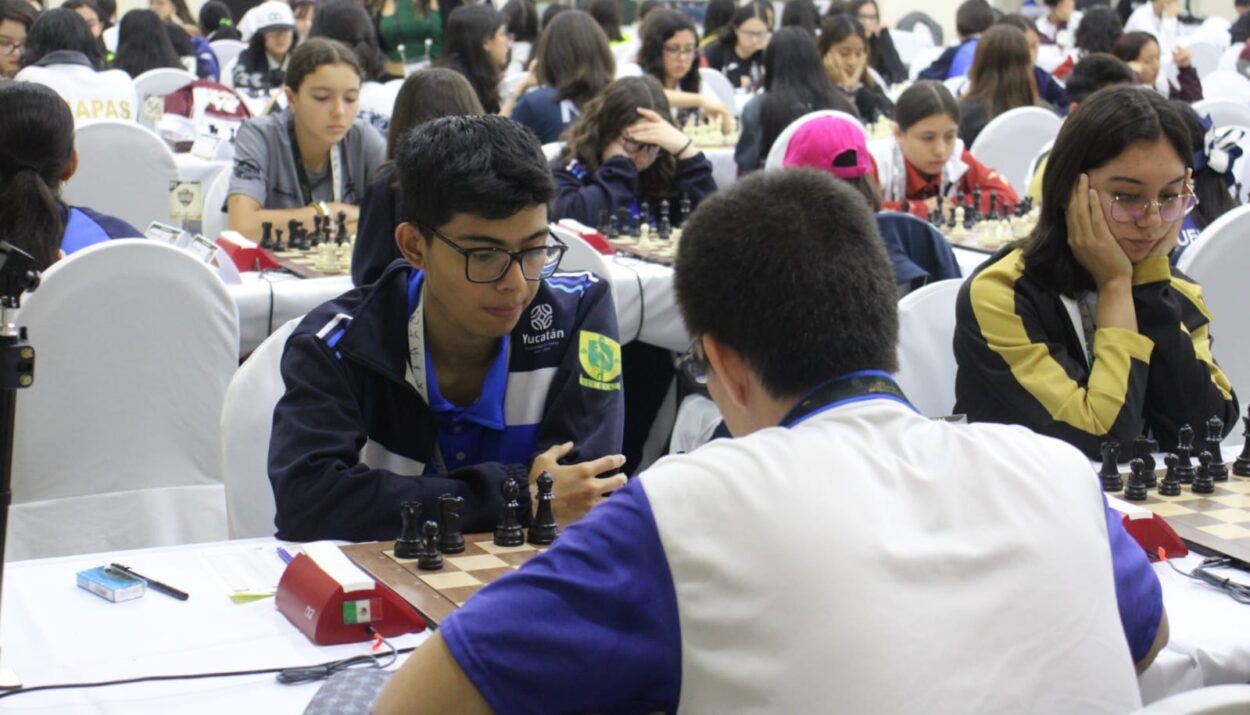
(1137, 589)
(589, 626)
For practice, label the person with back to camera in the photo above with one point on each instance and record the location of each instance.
(1083, 331)
(61, 53)
(477, 46)
(470, 363)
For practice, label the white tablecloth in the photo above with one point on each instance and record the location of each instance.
(193, 168)
(54, 632)
(267, 300)
(724, 170)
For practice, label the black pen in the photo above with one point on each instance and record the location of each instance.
(152, 583)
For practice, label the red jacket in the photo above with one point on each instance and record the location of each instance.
(920, 187)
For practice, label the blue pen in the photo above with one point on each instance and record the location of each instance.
(284, 555)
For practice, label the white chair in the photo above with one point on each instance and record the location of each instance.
(926, 356)
(777, 154)
(110, 37)
(924, 57)
(161, 81)
(1010, 141)
(246, 422)
(552, 150)
(715, 82)
(906, 44)
(1228, 58)
(117, 443)
(1224, 112)
(124, 170)
(1217, 262)
(1205, 56)
(1226, 85)
(1211, 700)
(509, 84)
(227, 72)
(227, 50)
(379, 98)
(956, 85)
(1036, 162)
(581, 256)
(215, 220)
(628, 69)
(626, 53)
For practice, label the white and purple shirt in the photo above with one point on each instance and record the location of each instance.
(860, 559)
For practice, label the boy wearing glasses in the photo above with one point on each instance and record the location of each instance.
(468, 363)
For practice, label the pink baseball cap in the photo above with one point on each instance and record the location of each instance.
(830, 144)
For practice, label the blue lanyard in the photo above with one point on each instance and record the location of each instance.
(851, 387)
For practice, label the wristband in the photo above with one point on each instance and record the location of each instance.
(683, 149)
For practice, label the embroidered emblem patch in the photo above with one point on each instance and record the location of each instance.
(600, 357)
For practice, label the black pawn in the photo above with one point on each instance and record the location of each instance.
(644, 211)
(685, 209)
(1109, 473)
(1136, 490)
(1215, 432)
(408, 545)
(950, 223)
(509, 532)
(1203, 483)
(544, 529)
(342, 236)
(993, 215)
(664, 215)
(266, 235)
(1171, 485)
(430, 558)
(1241, 466)
(635, 231)
(278, 245)
(1184, 448)
(451, 529)
(1144, 449)
(666, 229)
(976, 202)
(318, 222)
(292, 232)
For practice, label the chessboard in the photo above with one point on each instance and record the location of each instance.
(654, 250)
(707, 134)
(326, 259)
(1217, 522)
(436, 594)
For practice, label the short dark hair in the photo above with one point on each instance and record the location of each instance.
(431, 93)
(486, 165)
(315, 52)
(215, 17)
(550, 14)
(660, 25)
(143, 44)
(522, 20)
(719, 13)
(1020, 22)
(1104, 126)
(61, 29)
(1130, 45)
(646, 6)
(109, 9)
(1094, 72)
(922, 100)
(801, 13)
(1099, 29)
(1241, 3)
(348, 22)
(798, 255)
(608, 14)
(573, 56)
(973, 17)
(18, 11)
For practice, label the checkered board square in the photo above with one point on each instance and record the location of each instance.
(436, 594)
(1219, 521)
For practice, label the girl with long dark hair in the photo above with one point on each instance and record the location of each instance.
(36, 156)
(1001, 79)
(262, 66)
(739, 51)
(476, 46)
(843, 48)
(349, 23)
(670, 54)
(625, 152)
(1082, 331)
(795, 83)
(882, 55)
(61, 53)
(1217, 156)
(1140, 51)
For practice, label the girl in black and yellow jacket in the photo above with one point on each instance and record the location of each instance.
(1084, 332)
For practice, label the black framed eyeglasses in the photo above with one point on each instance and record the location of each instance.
(693, 363)
(488, 265)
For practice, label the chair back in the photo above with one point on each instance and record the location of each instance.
(118, 441)
(215, 220)
(124, 170)
(582, 256)
(161, 81)
(1205, 57)
(906, 44)
(1226, 84)
(1012, 139)
(1036, 162)
(110, 36)
(777, 154)
(926, 353)
(918, 253)
(227, 50)
(246, 422)
(956, 85)
(628, 69)
(1229, 57)
(925, 56)
(1211, 700)
(626, 53)
(715, 82)
(227, 72)
(552, 150)
(1217, 261)
(912, 20)
(1224, 112)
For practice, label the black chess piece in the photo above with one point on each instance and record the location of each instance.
(1171, 485)
(666, 229)
(976, 202)
(292, 232)
(1184, 448)
(906, 207)
(266, 235)
(961, 199)
(408, 545)
(318, 221)
(993, 215)
(544, 529)
(451, 529)
(635, 231)
(278, 245)
(644, 211)
(664, 214)
(1215, 432)
(341, 237)
(1144, 449)
(603, 221)
(614, 227)
(951, 222)
(1241, 465)
(1136, 490)
(430, 558)
(508, 532)
(684, 208)
(970, 219)
(1203, 483)
(1109, 473)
